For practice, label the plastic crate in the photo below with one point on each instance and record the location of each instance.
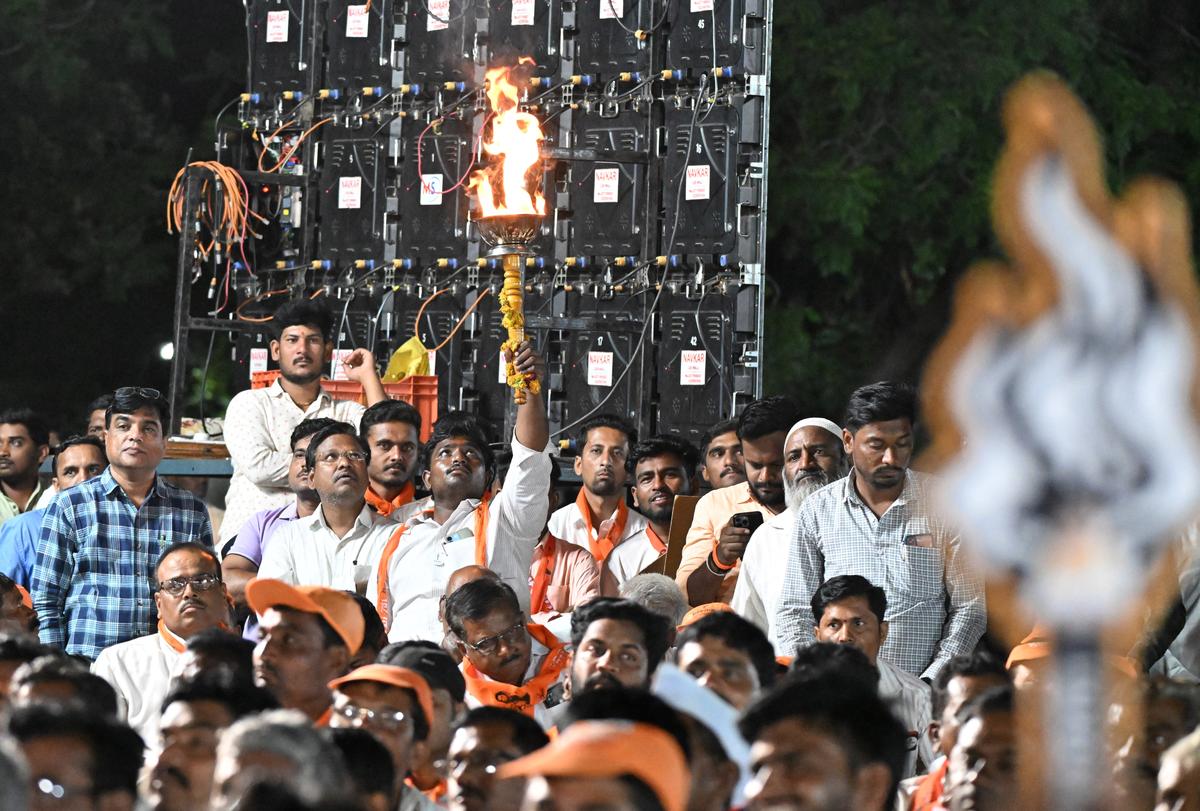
(419, 391)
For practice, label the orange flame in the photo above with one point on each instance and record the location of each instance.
(511, 184)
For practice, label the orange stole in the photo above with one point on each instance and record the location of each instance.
(542, 571)
(173, 643)
(529, 695)
(602, 545)
(386, 508)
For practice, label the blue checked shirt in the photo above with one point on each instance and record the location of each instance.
(96, 556)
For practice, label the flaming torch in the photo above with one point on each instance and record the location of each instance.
(510, 205)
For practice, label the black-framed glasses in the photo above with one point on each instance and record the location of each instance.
(365, 716)
(490, 646)
(138, 391)
(199, 582)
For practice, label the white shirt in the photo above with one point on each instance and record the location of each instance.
(140, 671)
(910, 699)
(628, 560)
(258, 434)
(306, 552)
(570, 524)
(756, 595)
(537, 652)
(430, 552)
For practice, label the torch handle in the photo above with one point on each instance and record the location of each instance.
(512, 307)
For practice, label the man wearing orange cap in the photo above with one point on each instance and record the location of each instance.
(605, 764)
(395, 705)
(307, 636)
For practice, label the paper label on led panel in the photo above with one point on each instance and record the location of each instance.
(337, 370)
(431, 190)
(600, 368)
(522, 12)
(702, 5)
(432, 361)
(691, 367)
(605, 190)
(697, 182)
(357, 22)
(438, 18)
(258, 360)
(350, 192)
(277, 26)
(612, 9)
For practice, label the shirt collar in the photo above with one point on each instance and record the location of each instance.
(276, 390)
(111, 486)
(289, 513)
(366, 518)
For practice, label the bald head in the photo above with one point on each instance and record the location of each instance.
(460, 578)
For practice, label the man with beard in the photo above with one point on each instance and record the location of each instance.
(24, 443)
(722, 524)
(259, 422)
(392, 432)
(485, 739)
(877, 523)
(721, 456)
(190, 598)
(660, 470)
(812, 458)
(617, 643)
(338, 545)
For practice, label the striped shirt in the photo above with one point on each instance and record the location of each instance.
(936, 607)
(96, 556)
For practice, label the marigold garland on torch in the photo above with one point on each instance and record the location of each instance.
(512, 308)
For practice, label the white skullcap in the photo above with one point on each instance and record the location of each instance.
(815, 422)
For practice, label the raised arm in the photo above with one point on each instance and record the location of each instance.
(532, 429)
(360, 367)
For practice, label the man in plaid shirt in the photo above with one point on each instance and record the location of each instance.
(100, 539)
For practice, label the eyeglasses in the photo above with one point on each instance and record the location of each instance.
(333, 457)
(491, 645)
(200, 582)
(486, 762)
(138, 391)
(391, 721)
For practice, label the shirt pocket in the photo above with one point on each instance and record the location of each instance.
(922, 571)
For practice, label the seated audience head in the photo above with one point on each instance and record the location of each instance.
(337, 461)
(721, 462)
(392, 431)
(840, 661)
(850, 610)
(280, 747)
(459, 462)
(303, 341)
(658, 469)
(1028, 660)
(761, 429)
(188, 590)
(878, 434)
(307, 637)
(217, 650)
(714, 774)
(981, 774)
(87, 760)
(24, 444)
(15, 650)
(486, 618)
(625, 704)
(374, 634)
(823, 743)
(813, 456)
(659, 594)
(485, 739)
(135, 430)
(95, 415)
(299, 473)
(729, 655)
(193, 715)
(58, 679)
(447, 686)
(1179, 775)
(602, 764)
(617, 643)
(603, 444)
(16, 609)
(369, 765)
(960, 681)
(76, 460)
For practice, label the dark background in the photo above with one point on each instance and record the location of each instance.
(885, 130)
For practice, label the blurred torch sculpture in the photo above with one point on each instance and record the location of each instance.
(1063, 406)
(510, 206)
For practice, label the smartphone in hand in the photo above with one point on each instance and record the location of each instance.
(747, 520)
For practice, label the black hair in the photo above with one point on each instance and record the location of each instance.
(661, 446)
(308, 428)
(626, 704)
(770, 415)
(428, 659)
(845, 586)
(367, 761)
(527, 733)
(303, 313)
(656, 633)
(738, 633)
(844, 662)
(336, 429)
(389, 411)
(641, 796)
(994, 699)
(117, 751)
(232, 653)
(1160, 688)
(605, 421)
(854, 715)
(374, 634)
(23, 648)
(476, 599)
(128, 399)
(466, 426)
(504, 462)
(224, 688)
(7, 584)
(722, 427)
(181, 546)
(101, 403)
(92, 693)
(35, 426)
(965, 666)
(880, 402)
(72, 442)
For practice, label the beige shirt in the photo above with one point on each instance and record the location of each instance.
(713, 511)
(306, 552)
(258, 434)
(140, 671)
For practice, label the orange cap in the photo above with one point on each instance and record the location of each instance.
(337, 608)
(701, 611)
(26, 600)
(395, 677)
(612, 749)
(1036, 645)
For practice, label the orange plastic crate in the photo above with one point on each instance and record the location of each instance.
(418, 391)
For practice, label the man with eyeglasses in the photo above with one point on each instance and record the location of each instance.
(101, 539)
(395, 705)
(484, 740)
(190, 598)
(507, 662)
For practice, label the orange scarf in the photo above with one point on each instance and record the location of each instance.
(529, 695)
(659, 546)
(323, 721)
(928, 795)
(543, 569)
(386, 508)
(382, 599)
(434, 795)
(172, 641)
(602, 545)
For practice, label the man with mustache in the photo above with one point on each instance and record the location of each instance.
(485, 739)
(392, 432)
(877, 523)
(812, 458)
(190, 598)
(660, 469)
(617, 643)
(338, 544)
(708, 570)
(24, 443)
(259, 422)
(721, 452)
